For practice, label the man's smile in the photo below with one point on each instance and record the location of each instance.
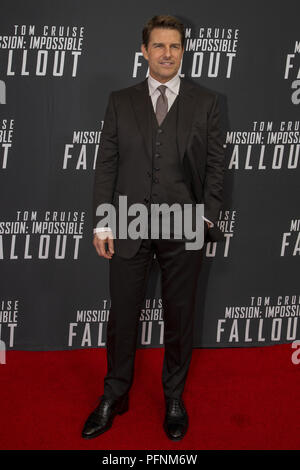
(166, 63)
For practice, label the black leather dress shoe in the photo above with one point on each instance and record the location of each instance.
(101, 419)
(176, 419)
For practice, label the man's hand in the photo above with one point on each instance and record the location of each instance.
(100, 241)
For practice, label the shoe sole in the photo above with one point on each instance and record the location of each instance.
(175, 438)
(96, 434)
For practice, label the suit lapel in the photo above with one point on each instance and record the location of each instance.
(186, 109)
(141, 102)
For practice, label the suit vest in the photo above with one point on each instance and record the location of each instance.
(167, 184)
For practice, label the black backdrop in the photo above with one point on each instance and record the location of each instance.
(54, 288)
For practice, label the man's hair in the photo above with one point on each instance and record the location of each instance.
(162, 21)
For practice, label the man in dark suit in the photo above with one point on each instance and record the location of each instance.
(161, 143)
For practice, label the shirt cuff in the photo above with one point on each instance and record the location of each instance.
(212, 224)
(102, 229)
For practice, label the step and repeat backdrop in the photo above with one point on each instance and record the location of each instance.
(59, 60)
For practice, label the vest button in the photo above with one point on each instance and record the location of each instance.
(158, 143)
(157, 155)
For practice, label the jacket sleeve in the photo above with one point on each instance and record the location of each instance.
(214, 170)
(107, 162)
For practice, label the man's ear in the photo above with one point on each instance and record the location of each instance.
(144, 51)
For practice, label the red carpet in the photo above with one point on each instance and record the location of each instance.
(236, 399)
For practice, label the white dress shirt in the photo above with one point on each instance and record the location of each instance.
(172, 91)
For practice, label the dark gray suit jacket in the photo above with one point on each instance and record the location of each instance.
(126, 144)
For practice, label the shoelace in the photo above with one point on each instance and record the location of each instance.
(175, 407)
(104, 403)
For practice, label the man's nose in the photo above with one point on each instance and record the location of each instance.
(167, 52)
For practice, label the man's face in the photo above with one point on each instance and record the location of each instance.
(164, 53)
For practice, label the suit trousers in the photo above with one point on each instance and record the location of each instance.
(128, 281)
